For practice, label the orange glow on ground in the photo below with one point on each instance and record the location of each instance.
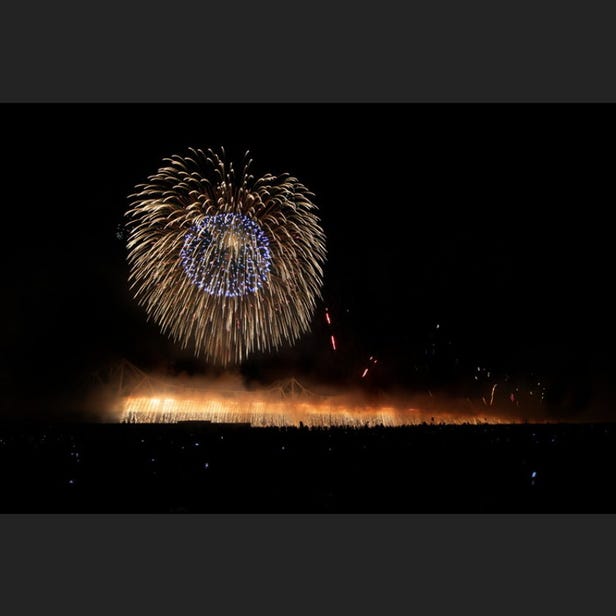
(261, 412)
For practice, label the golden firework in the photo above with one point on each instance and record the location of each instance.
(223, 262)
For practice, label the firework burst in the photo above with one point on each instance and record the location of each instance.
(221, 261)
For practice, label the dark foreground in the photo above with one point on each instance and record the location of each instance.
(563, 468)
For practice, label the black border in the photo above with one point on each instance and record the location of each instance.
(374, 564)
(444, 51)
(449, 52)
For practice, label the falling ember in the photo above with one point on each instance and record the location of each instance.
(329, 321)
(492, 395)
(364, 373)
(333, 342)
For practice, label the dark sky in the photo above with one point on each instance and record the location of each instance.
(490, 220)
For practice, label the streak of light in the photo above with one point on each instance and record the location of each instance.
(492, 394)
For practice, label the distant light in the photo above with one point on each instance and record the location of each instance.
(206, 465)
(437, 326)
(533, 474)
(196, 444)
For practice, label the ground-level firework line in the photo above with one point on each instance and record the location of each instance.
(261, 412)
(141, 398)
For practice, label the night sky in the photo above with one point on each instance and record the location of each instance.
(490, 221)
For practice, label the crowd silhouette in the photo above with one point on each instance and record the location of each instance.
(196, 467)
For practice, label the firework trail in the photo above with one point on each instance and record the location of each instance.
(223, 262)
(332, 338)
(492, 394)
(371, 360)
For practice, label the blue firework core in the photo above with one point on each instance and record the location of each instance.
(226, 255)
